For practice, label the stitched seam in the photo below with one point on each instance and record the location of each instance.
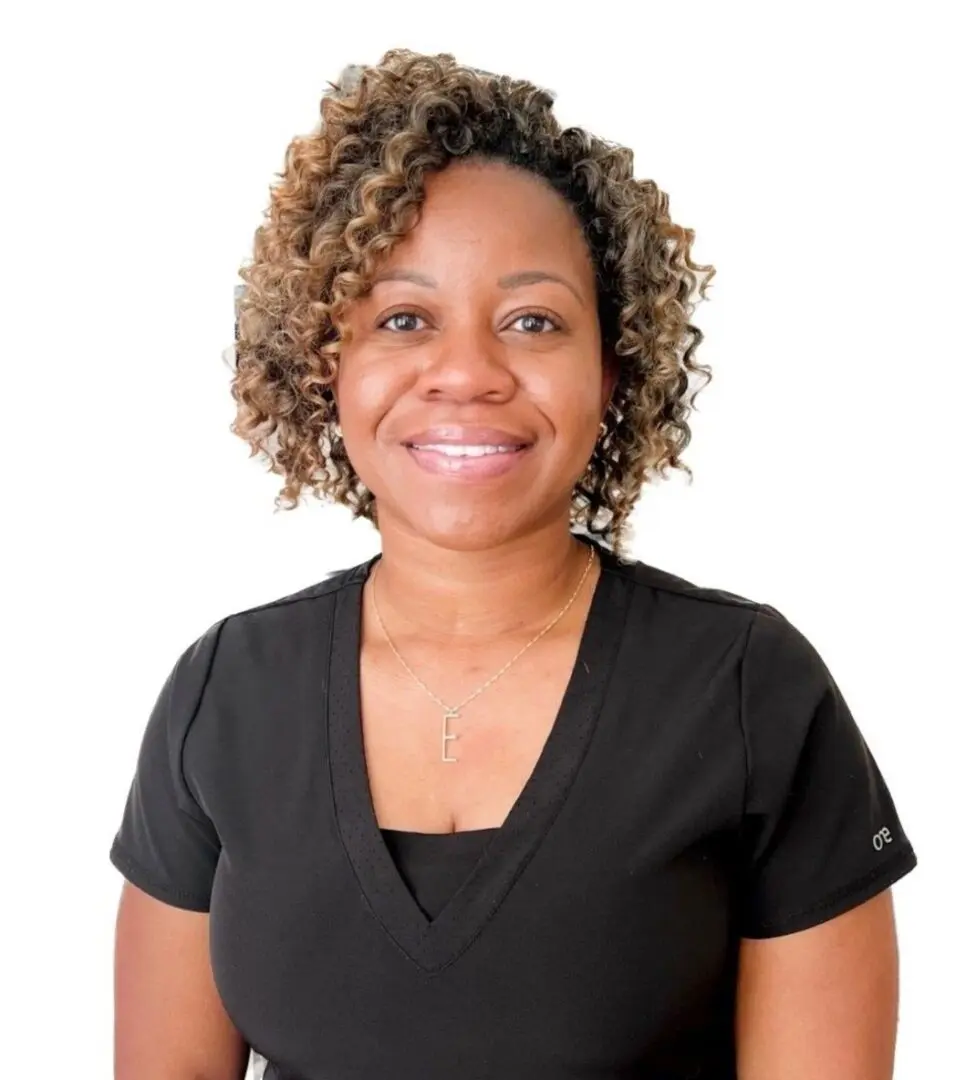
(122, 856)
(340, 579)
(898, 858)
(632, 572)
(329, 645)
(200, 816)
(741, 716)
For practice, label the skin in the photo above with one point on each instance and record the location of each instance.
(471, 561)
(470, 572)
(822, 1003)
(169, 1021)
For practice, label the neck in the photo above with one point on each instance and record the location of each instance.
(474, 597)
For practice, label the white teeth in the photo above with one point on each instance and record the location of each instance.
(453, 450)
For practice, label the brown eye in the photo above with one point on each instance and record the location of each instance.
(535, 322)
(400, 321)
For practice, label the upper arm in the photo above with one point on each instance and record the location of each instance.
(169, 1021)
(822, 1002)
(821, 846)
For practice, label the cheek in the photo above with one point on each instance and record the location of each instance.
(366, 393)
(570, 405)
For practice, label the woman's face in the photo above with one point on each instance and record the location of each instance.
(472, 388)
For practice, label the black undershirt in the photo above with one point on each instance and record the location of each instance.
(434, 865)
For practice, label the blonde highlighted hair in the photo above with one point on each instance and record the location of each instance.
(353, 187)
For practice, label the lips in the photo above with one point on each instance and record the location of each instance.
(467, 453)
(463, 435)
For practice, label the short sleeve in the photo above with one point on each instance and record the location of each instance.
(820, 832)
(166, 844)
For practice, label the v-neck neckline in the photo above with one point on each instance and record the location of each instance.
(433, 944)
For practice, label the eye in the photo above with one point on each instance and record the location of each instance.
(400, 321)
(536, 322)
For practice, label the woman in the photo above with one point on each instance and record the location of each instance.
(503, 801)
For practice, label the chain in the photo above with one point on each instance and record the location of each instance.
(455, 709)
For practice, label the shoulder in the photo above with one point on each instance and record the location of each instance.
(674, 586)
(323, 591)
(782, 680)
(680, 602)
(701, 616)
(274, 626)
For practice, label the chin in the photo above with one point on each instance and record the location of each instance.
(452, 527)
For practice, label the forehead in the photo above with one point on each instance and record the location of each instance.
(495, 216)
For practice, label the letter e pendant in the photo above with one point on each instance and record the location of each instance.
(449, 714)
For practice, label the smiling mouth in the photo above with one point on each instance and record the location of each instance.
(466, 460)
(466, 449)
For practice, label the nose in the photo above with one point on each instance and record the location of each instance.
(466, 364)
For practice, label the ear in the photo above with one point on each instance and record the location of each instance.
(611, 371)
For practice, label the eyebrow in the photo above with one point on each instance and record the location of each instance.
(531, 277)
(406, 275)
(508, 281)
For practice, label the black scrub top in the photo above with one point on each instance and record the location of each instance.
(704, 781)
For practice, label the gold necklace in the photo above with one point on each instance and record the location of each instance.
(452, 712)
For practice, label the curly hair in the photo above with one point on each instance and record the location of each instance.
(351, 189)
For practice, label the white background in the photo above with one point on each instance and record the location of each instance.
(813, 151)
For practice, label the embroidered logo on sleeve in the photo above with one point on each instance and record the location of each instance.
(881, 838)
